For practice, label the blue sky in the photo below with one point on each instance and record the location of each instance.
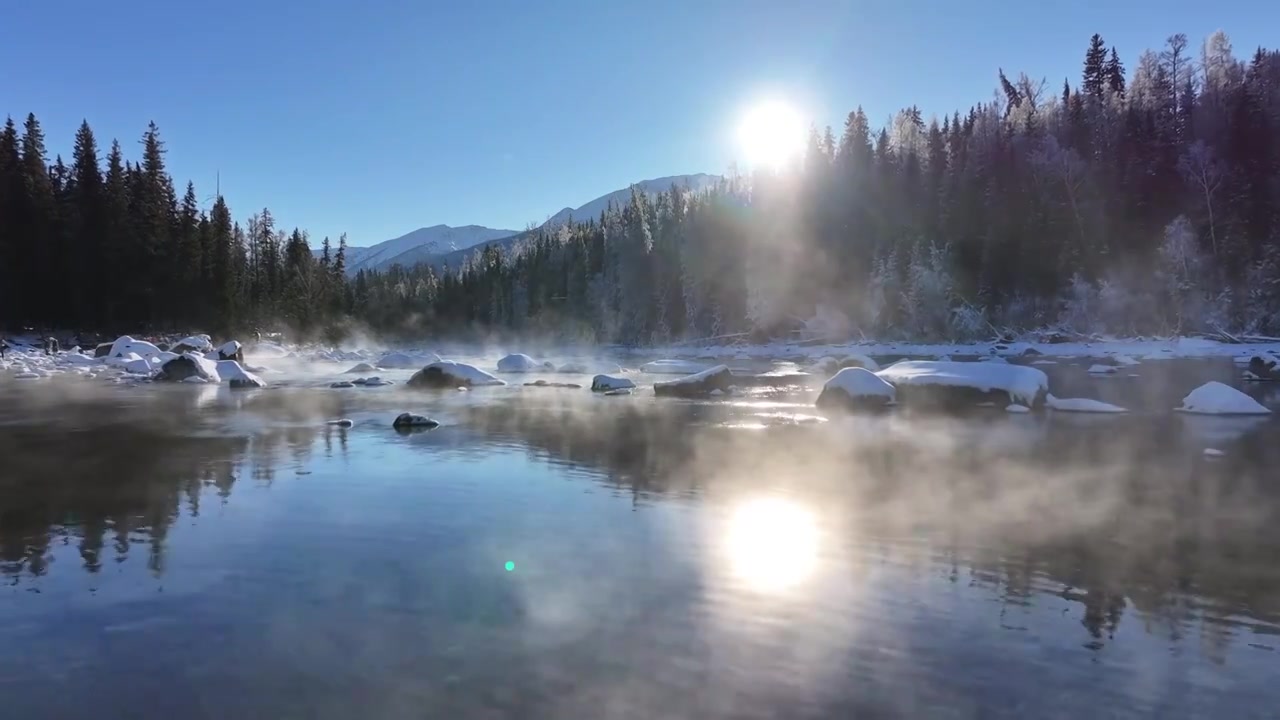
(378, 117)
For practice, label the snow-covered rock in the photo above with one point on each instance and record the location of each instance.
(962, 383)
(402, 361)
(238, 377)
(187, 366)
(376, 382)
(1102, 369)
(231, 350)
(140, 366)
(823, 366)
(1125, 360)
(1215, 398)
(361, 369)
(1082, 405)
(700, 384)
(519, 363)
(606, 383)
(672, 367)
(341, 385)
(1017, 409)
(856, 388)
(75, 358)
(412, 420)
(202, 344)
(125, 345)
(450, 374)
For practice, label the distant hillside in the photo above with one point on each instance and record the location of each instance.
(700, 182)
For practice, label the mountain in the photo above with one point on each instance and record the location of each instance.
(433, 240)
(700, 182)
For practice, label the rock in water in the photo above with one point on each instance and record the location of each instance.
(1260, 369)
(343, 423)
(518, 363)
(341, 385)
(188, 365)
(856, 388)
(361, 369)
(544, 383)
(672, 367)
(231, 350)
(411, 420)
(855, 360)
(608, 383)
(240, 379)
(1214, 398)
(956, 385)
(698, 385)
(399, 360)
(450, 374)
(103, 350)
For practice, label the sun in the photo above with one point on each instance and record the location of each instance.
(772, 544)
(771, 134)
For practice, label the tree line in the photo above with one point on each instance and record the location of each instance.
(1130, 202)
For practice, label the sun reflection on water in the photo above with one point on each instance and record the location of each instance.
(772, 544)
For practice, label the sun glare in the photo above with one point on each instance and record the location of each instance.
(772, 544)
(771, 134)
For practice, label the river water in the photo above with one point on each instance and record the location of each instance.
(548, 553)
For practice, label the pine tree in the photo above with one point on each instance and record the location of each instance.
(1114, 73)
(1095, 58)
(13, 273)
(37, 219)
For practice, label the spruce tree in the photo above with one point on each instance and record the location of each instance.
(1095, 58)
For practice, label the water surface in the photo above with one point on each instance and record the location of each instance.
(193, 552)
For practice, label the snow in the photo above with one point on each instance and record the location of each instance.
(859, 383)
(1082, 405)
(1017, 409)
(673, 367)
(1023, 384)
(1125, 360)
(400, 360)
(229, 349)
(1102, 369)
(519, 363)
(233, 372)
(75, 358)
(605, 383)
(465, 374)
(140, 366)
(1045, 362)
(1213, 453)
(195, 380)
(1215, 398)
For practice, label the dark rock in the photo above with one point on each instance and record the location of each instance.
(410, 420)
(342, 385)
(954, 398)
(238, 355)
(1031, 352)
(1000, 347)
(181, 368)
(434, 377)
(1263, 369)
(182, 348)
(342, 423)
(361, 369)
(697, 385)
(359, 381)
(102, 350)
(610, 384)
(246, 383)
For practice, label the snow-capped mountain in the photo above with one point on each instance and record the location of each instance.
(435, 239)
(700, 182)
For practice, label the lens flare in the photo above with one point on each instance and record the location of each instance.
(772, 544)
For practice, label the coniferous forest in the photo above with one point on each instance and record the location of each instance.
(1126, 201)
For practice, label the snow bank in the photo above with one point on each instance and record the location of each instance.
(519, 363)
(1022, 384)
(450, 374)
(606, 383)
(75, 358)
(856, 388)
(673, 367)
(1214, 398)
(1082, 405)
(402, 361)
(698, 384)
(238, 377)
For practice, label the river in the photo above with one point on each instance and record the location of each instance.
(196, 552)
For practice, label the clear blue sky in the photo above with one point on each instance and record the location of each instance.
(382, 116)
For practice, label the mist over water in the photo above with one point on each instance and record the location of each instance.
(193, 552)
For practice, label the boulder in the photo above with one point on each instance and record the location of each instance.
(341, 385)
(1215, 398)
(451, 374)
(237, 376)
(519, 363)
(187, 366)
(1260, 369)
(957, 385)
(404, 361)
(231, 350)
(856, 360)
(103, 350)
(194, 343)
(608, 383)
(341, 422)
(697, 385)
(856, 389)
(411, 420)
(361, 369)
